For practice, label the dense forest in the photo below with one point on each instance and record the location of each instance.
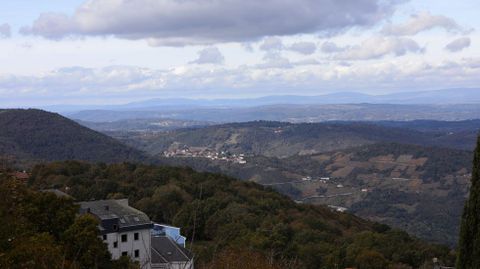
(41, 231)
(223, 217)
(34, 135)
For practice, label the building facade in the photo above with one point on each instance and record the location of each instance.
(126, 230)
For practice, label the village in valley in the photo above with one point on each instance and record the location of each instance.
(179, 151)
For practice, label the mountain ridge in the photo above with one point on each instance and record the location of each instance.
(438, 97)
(37, 135)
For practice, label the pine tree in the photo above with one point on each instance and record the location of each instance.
(469, 244)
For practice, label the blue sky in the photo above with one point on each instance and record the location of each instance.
(117, 51)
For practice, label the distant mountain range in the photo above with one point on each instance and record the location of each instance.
(437, 97)
(292, 113)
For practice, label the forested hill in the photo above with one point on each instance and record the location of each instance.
(36, 135)
(277, 139)
(405, 186)
(224, 216)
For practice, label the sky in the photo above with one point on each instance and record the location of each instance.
(120, 51)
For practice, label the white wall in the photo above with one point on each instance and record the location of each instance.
(142, 244)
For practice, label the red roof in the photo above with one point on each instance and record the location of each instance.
(21, 175)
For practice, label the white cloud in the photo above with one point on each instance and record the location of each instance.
(5, 30)
(211, 55)
(127, 83)
(176, 23)
(458, 44)
(248, 46)
(275, 61)
(306, 62)
(305, 48)
(422, 22)
(329, 47)
(272, 44)
(79, 81)
(374, 48)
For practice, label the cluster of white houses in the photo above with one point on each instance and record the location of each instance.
(129, 232)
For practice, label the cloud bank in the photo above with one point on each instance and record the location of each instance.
(373, 48)
(422, 22)
(129, 82)
(186, 22)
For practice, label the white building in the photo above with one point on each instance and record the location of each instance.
(124, 229)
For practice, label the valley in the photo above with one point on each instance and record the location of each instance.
(420, 190)
(411, 175)
(399, 175)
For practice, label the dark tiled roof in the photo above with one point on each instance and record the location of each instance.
(117, 211)
(165, 250)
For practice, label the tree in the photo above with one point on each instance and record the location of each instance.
(50, 214)
(468, 256)
(370, 259)
(39, 230)
(36, 252)
(240, 259)
(83, 246)
(223, 213)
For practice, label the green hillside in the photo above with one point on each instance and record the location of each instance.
(406, 185)
(222, 214)
(277, 139)
(35, 135)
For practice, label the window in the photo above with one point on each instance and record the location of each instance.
(137, 253)
(104, 237)
(124, 253)
(115, 227)
(124, 238)
(115, 244)
(135, 236)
